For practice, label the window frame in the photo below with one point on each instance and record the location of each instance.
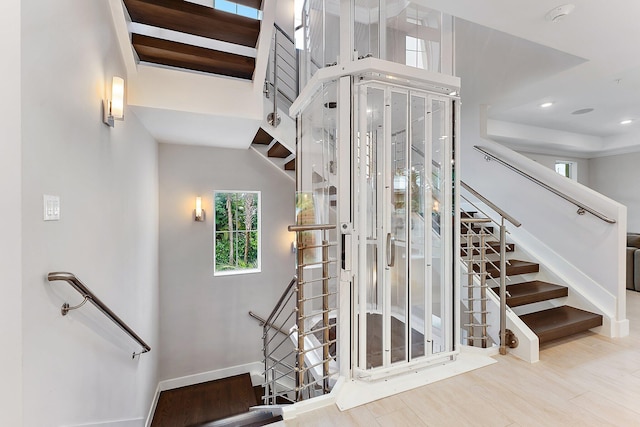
(570, 166)
(258, 230)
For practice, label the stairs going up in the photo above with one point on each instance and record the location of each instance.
(531, 292)
(560, 322)
(514, 267)
(275, 152)
(185, 35)
(549, 324)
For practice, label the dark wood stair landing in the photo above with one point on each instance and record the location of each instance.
(560, 322)
(200, 403)
(532, 292)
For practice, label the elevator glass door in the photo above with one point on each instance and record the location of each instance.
(403, 203)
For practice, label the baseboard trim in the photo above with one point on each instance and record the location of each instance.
(202, 377)
(619, 328)
(254, 368)
(133, 422)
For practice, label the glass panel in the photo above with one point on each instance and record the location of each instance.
(399, 203)
(322, 34)
(317, 163)
(417, 229)
(366, 27)
(412, 35)
(439, 157)
(369, 143)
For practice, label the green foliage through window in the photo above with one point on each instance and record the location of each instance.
(237, 232)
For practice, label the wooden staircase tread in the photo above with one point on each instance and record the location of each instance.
(200, 403)
(290, 165)
(180, 55)
(467, 214)
(279, 150)
(199, 20)
(256, 4)
(532, 291)
(492, 248)
(514, 268)
(262, 137)
(476, 228)
(560, 322)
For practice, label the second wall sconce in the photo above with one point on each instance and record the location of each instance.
(114, 107)
(198, 212)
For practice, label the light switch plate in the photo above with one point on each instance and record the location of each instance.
(51, 206)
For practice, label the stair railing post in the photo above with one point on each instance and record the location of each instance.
(483, 286)
(470, 261)
(265, 350)
(273, 118)
(300, 317)
(503, 288)
(325, 312)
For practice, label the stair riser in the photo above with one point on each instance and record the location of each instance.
(514, 271)
(569, 330)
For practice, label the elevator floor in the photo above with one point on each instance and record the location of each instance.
(398, 331)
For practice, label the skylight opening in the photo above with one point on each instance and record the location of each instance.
(237, 9)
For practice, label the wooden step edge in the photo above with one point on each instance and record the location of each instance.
(515, 268)
(290, 165)
(262, 137)
(278, 150)
(535, 291)
(560, 322)
(494, 246)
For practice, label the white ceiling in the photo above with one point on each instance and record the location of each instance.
(511, 58)
(515, 59)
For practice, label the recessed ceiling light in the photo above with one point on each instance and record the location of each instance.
(546, 105)
(582, 111)
(626, 122)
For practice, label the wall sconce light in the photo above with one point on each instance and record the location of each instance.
(114, 107)
(198, 212)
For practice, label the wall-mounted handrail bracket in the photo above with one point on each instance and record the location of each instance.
(66, 308)
(91, 297)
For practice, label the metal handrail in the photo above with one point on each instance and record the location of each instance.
(291, 284)
(274, 62)
(499, 211)
(93, 299)
(291, 305)
(314, 227)
(582, 208)
(264, 322)
(505, 335)
(287, 36)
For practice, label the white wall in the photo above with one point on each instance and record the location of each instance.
(550, 162)
(78, 369)
(205, 324)
(618, 177)
(11, 241)
(590, 247)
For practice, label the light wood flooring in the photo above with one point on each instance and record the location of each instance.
(585, 380)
